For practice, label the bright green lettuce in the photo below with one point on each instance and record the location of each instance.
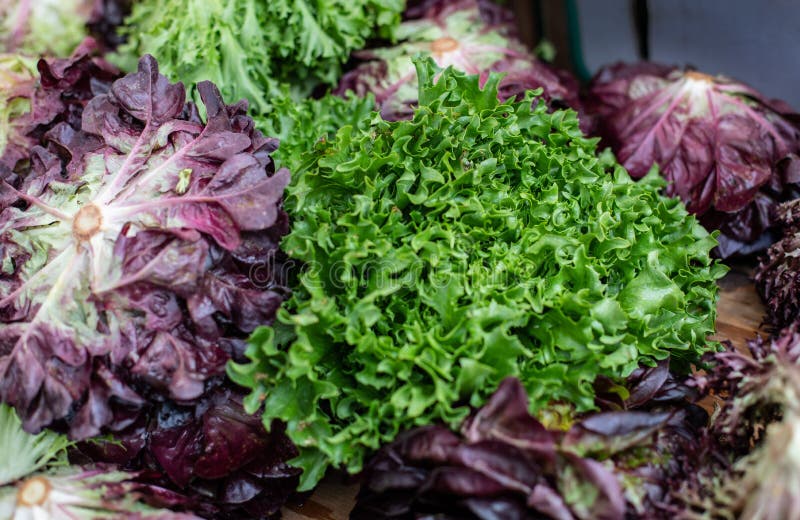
(479, 240)
(248, 48)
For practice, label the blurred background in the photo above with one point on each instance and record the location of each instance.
(753, 41)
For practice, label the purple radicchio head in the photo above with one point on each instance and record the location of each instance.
(726, 150)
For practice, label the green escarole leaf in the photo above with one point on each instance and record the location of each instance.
(480, 240)
(255, 49)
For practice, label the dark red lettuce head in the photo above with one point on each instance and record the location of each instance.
(612, 464)
(727, 151)
(778, 273)
(35, 97)
(475, 36)
(137, 253)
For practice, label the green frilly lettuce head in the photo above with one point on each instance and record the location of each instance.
(250, 48)
(479, 240)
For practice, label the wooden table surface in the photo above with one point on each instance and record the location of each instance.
(739, 318)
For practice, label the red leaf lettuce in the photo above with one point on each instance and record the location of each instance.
(132, 255)
(35, 97)
(214, 455)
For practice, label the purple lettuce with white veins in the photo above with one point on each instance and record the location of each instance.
(126, 254)
(730, 153)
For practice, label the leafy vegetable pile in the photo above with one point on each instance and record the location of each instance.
(459, 254)
(479, 240)
(248, 48)
(727, 151)
(778, 274)
(506, 464)
(474, 36)
(35, 482)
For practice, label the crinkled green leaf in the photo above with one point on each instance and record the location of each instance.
(477, 241)
(249, 47)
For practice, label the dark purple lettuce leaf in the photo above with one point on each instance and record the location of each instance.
(610, 465)
(475, 36)
(778, 274)
(130, 249)
(37, 97)
(723, 147)
(218, 459)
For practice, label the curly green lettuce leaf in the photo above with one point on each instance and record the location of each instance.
(479, 240)
(250, 47)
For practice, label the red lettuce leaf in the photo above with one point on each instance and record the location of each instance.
(54, 91)
(219, 460)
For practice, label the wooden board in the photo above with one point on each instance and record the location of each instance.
(739, 318)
